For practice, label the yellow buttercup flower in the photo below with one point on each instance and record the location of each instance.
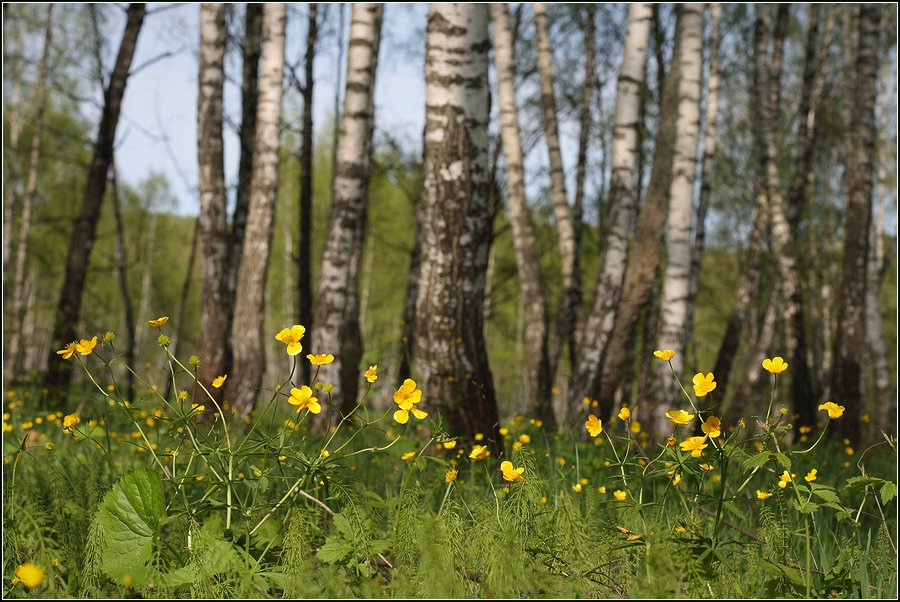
(406, 397)
(665, 355)
(524, 438)
(833, 409)
(450, 475)
(219, 381)
(70, 422)
(577, 487)
(372, 373)
(594, 425)
(30, 574)
(624, 413)
(86, 347)
(320, 359)
(303, 399)
(408, 455)
(504, 431)
(776, 365)
(291, 337)
(811, 476)
(762, 495)
(158, 322)
(706, 467)
(676, 479)
(784, 479)
(513, 475)
(695, 445)
(712, 427)
(479, 452)
(703, 384)
(69, 351)
(679, 417)
(620, 495)
(450, 444)
(635, 427)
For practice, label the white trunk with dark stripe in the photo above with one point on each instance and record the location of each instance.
(621, 201)
(676, 282)
(336, 317)
(454, 223)
(213, 214)
(537, 378)
(247, 336)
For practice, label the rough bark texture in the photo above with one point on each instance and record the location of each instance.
(13, 358)
(531, 281)
(68, 310)
(214, 270)
(850, 346)
(562, 214)
(451, 361)
(622, 202)
(304, 250)
(709, 151)
(676, 280)
(647, 244)
(337, 299)
(247, 336)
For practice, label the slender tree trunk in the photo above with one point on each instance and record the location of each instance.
(850, 346)
(13, 353)
(676, 279)
(742, 406)
(12, 165)
(337, 299)
(147, 278)
(122, 272)
(247, 336)
(565, 228)
(68, 309)
(537, 362)
(709, 151)
(451, 360)
(647, 244)
(622, 204)
(304, 253)
(885, 399)
(337, 91)
(214, 272)
(182, 304)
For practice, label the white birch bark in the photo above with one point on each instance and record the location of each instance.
(676, 281)
(621, 201)
(336, 317)
(247, 334)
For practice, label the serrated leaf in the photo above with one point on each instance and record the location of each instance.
(333, 551)
(807, 507)
(783, 460)
(888, 492)
(756, 461)
(378, 546)
(826, 494)
(131, 516)
(862, 482)
(342, 524)
(268, 535)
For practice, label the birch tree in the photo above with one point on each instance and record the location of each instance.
(622, 202)
(531, 280)
(247, 334)
(676, 281)
(213, 214)
(450, 358)
(84, 232)
(336, 318)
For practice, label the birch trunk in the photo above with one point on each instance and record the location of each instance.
(451, 360)
(13, 359)
(531, 281)
(337, 299)
(850, 346)
(68, 310)
(622, 203)
(12, 165)
(647, 244)
(247, 336)
(562, 214)
(709, 151)
(214, 272)
(676, 280)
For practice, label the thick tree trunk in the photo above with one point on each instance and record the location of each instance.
(451, 360)
(531, 281)
(647, 244)
(337, 299)
(214, 272)
(709, 151)
(850, 346)
(13, 358)
(304, 251)
(562, 214)
(676, 279)
(247, 336)
(59, 373)
(622, 203)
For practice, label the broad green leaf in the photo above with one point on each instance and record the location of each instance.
(862, 482)
(888, 492)
(333, 551)
(131, 517)
(783, 460)
(756, 461)
(826, 494)
(342, 524)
